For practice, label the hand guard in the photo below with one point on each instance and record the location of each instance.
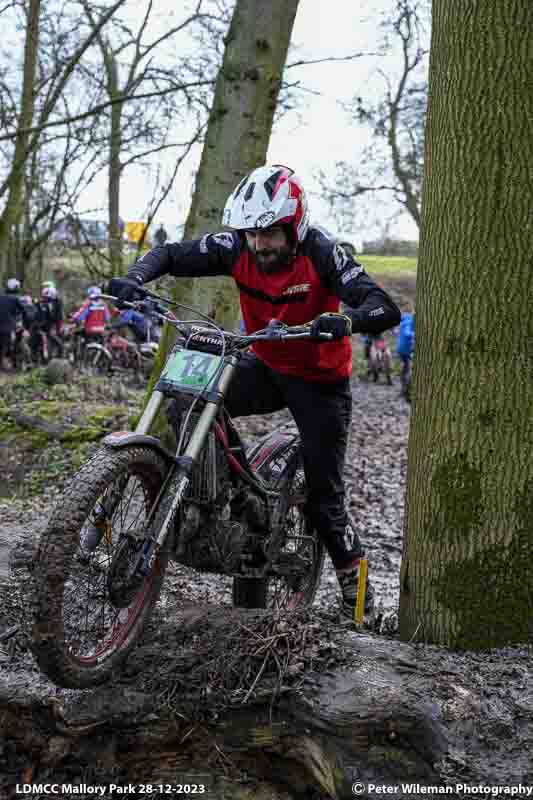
(125, 290)
(339, 325)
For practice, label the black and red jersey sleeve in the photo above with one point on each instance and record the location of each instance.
(213, 254)
(370, 308)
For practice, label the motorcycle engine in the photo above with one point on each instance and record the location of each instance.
(222, 538)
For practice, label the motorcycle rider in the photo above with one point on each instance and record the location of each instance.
(287, 270)
(94, 314)
(133, 321)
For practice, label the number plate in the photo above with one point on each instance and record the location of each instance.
(188, 371)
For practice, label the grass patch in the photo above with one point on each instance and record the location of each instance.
(31, 461)
(388, 265)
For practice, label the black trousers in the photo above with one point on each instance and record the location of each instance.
(322, 413)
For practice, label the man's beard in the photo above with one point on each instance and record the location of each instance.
(266, 263)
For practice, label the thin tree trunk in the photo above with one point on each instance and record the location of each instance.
(237, 138)
(13, 207)
(467, 574)
(239, 129)
(114, 167)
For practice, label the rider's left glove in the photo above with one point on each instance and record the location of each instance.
(125, 290)
(338, 325)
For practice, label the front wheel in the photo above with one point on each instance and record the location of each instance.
(299, 553)
(88, 611)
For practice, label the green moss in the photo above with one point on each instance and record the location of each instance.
(458, 486)
(491, 593)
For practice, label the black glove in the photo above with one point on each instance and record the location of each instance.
(337, 324)
(125, 290)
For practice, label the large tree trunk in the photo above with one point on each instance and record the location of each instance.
(237, 138)
(467, 576)
(14, 204)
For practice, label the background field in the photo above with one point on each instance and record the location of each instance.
(388, 265)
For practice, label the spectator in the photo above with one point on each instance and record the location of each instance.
(406, 339)
(11, 309)
(160, 236)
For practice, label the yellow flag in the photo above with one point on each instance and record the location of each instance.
(135, 231)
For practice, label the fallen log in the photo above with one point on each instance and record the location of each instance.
(368, 721)
(51, 429)
(257, 704)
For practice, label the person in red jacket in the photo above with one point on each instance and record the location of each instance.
(288, 270)
(93, 314)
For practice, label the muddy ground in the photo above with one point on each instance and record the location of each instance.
(485, 700)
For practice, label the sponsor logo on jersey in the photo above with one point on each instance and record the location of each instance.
(224, 239)
(264, 220)
(376, 312)
(297, 289)
(348, 276)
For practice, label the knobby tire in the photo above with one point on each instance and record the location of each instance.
(59, 583)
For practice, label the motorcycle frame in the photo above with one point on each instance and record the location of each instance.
(181, 465)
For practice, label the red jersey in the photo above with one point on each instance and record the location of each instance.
(294, 296)
(321, 275)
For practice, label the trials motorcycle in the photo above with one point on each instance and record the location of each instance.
(213, 505)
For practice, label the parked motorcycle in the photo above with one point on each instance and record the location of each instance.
(44, 345)
(212, 505)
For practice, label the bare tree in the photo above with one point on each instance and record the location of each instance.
(40, 98)
(393, 163)
(13, 207)
(136, 131)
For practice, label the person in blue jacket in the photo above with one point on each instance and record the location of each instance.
(406, 340)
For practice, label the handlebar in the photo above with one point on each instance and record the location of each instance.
(275, 330)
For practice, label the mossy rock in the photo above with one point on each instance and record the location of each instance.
(58, 370)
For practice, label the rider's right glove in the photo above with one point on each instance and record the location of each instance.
(338, 325)
(125, 290)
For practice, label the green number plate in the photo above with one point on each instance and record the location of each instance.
(189, 370)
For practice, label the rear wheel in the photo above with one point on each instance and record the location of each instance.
(299, 555)
(95, 361)
(88, 611)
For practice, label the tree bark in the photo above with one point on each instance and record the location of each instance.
(14, 204)
(239, 128)
(466, 578)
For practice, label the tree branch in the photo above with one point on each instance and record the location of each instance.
(102, 106)
(304, 62)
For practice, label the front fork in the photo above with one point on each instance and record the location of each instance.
(179, 475)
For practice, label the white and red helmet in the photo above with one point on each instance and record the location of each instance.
(268, 196)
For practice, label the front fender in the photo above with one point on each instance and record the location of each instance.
(120, 439)
(101, 348)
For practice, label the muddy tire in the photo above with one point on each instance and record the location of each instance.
(79, 634)
(287, 593)
(95, 362)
